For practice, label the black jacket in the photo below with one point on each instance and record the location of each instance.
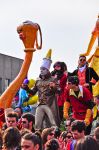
(90, 73)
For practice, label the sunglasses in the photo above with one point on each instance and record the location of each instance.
(69, 137)
(24, 122)
(82, 60)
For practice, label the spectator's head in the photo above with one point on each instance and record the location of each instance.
(28, 121)
(78, 129)
(96, 99)
(52, 145)
(25, 83)
(66, 136)
(69, 135)
(96, 133)
(31, 141)
(11, 138)
(57, 132)
(47, 134)
(68, 124)
(11, 119)
(19, 111)
(86, 143)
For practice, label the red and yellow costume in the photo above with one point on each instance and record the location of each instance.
(80, 104)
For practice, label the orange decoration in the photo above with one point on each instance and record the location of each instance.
(28, 34)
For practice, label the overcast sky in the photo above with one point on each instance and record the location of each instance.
(66, 27)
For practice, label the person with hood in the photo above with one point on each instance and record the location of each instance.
(60, 74)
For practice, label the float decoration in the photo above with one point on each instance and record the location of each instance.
(28, 34)
(94, 59)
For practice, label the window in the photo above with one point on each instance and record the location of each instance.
(7, 82)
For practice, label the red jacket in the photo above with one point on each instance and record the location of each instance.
(78, 108)
(62, 83)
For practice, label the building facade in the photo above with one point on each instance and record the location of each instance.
(9, 69)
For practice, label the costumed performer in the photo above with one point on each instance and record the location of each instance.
(47, 88)
(94, 59)
(59, 73)
(80, 99)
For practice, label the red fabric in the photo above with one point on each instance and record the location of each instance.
(81, 76)
(78, 107)
(62, 82)
(2, 116)
(68, 145)
(1, 123)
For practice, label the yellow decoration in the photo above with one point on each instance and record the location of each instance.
(31, 83)
(96, 89)
(88, 117)
(66, 108)
(94, 59)
(95, 110)
(48, 56)
(32, 100)
(28, 34)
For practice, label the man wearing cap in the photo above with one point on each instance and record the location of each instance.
(46, 87)
(80, 99)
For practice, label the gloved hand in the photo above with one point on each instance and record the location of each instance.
(66, 116)
(87, 122)
(66, 108)
(88, 117)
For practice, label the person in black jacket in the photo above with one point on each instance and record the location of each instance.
(85, 73)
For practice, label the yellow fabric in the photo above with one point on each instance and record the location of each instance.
(94, 59)
(48, 56)
(88, 117)
(95, 111)
(71, 92)
(95, 89)
(92, 40)
(32, 100)
(66, 108)
(31, 83)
